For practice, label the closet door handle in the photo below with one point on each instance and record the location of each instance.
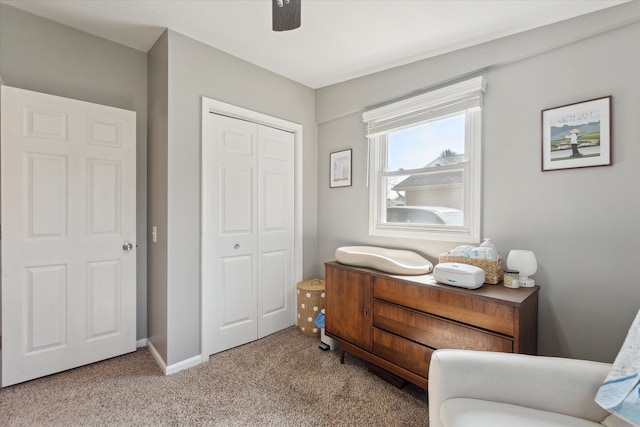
(236, 246)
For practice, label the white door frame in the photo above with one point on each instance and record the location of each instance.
(212, 106)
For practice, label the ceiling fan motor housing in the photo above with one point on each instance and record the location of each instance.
(286, 14)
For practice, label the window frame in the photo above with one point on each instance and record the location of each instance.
(464, 97)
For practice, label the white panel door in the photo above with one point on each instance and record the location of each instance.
(276, 297)
(249, 235)
(68, 233)
(233, 225)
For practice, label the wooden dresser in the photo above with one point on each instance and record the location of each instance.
(396, 322)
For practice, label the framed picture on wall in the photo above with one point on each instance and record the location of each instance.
(577, 135)
(340, 165)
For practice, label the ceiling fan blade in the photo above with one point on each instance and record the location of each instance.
(286, 14)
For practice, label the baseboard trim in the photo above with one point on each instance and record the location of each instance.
(184, 364)
(141, 343)
(176, 367)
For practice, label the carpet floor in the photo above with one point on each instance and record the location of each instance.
(281, 380)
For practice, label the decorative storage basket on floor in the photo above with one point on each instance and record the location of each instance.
(493, 270)
(310, 302)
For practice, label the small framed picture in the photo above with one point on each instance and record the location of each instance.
(577, 135)
(340, 173)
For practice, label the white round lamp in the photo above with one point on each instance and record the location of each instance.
(526, 264)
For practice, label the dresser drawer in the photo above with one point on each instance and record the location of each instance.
(402, 352)
(435, 332)
(483, 313)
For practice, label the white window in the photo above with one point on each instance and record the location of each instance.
(424, 165)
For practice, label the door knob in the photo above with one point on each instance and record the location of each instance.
(236, 246)
(127, 247)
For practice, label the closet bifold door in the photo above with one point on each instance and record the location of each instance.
(249, 213)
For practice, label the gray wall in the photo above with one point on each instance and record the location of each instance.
(582, 224)
(196, 70)
(158, 75)
(41, 55)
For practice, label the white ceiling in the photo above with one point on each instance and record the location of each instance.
(338, 39)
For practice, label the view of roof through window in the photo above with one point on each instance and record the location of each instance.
(425, 196)
(418, 146)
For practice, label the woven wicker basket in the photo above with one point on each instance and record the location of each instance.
(310, 302)
(493, 270)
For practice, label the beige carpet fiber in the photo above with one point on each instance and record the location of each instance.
(282, 380)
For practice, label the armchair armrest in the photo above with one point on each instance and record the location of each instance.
(565, 386)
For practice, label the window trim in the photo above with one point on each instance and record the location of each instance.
(464, 97)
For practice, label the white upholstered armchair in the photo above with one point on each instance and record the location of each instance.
(476, 388)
